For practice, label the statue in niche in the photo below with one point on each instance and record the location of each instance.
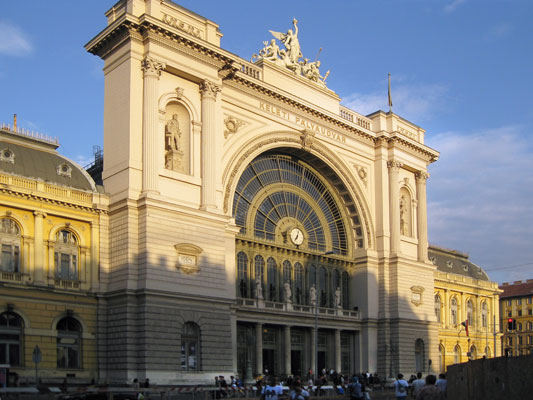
(173, 152)
(258, 289)
(404, 226)
(312, 295)
(338, 297)
(173, 134)
(288, 293)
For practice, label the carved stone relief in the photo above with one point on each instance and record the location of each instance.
(362, 172)
(188, 257)
(232, 125)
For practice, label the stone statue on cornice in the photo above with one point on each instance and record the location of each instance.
(291, 42)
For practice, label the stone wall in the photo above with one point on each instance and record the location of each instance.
(491, 379)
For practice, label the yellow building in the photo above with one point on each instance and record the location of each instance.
(52, 233)
(515, 305)
(464, 296)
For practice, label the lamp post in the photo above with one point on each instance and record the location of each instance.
(316, 313)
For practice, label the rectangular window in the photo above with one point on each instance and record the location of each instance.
(509, 313)
(529, 312)
(518, 302)
(528, 300)
(509, 302)
(520, 340)
(510, 340)
(520, 326)
(9, 259)
(520, 312)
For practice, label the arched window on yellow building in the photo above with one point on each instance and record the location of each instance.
(470, 313)
(10, 243)
(484, 314)
(453, 311)
(66, 256)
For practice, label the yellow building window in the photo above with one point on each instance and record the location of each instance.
(66, 256)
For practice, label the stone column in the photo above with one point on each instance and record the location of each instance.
(259, 348)
(38, 250)
(209, 91)
(394, 204)
(95, 230)
(338, 350)
(287, 355)
(422, 217)
(152, 71)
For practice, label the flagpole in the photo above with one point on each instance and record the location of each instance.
(390, 98)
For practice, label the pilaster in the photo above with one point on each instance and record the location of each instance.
(422, 224)
(38, 252)
(209, 91)
(151, 73)
(394, 203)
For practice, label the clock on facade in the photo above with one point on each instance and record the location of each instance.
(297, 236)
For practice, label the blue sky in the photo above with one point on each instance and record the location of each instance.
(461, 69)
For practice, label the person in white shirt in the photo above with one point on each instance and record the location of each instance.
(400, 388)
(418, 384)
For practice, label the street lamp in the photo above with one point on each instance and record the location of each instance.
(316, 314)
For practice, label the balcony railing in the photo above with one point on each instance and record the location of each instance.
(299, 308)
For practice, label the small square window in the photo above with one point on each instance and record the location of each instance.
(519, 302)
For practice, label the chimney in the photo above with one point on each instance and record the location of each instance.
(14, 122)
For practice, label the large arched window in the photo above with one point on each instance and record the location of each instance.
(10, 243)
(345, 291)
(453, 311)
(280, 198)
(66, 255)
(437, 308)
(11, 339)
(419, 355)
(457, 354)
(298, 284)
(470, 313)
(259, 263)
(484, 314)
(473, 352)
(68, 343)
(190, 347)
(272, 281)
(242, 267)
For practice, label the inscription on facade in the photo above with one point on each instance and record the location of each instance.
(301, 121)
(408, 133)
(182, 26)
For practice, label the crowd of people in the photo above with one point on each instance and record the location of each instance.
(356, 387)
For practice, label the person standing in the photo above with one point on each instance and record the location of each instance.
(418, 384)
(356, 389)
(430, 391)
(442, 383)
(400, 388)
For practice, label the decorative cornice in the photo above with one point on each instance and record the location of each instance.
(32, 196)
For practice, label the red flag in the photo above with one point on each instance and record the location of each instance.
(465, 324)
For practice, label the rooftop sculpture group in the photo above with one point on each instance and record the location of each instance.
(291, 56)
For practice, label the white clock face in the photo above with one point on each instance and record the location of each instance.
(297, 236)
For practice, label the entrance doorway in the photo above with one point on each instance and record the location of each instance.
(269, 361)
(296, 362)
(321, 361)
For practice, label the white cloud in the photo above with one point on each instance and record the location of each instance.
(414, 102)
(479, 196)
(453, 5)
(13, 41)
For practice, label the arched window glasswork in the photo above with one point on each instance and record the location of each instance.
(484, 314)
(190, 347)
(272, 281)
(66, 255)
(11, 339)
(259, 264)
(298, 284)
(453, 311)
(68, 343)
(470, 313)
(242, 267)
(10, 239)
(276, 189)
(437, 308)
(345, 291)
